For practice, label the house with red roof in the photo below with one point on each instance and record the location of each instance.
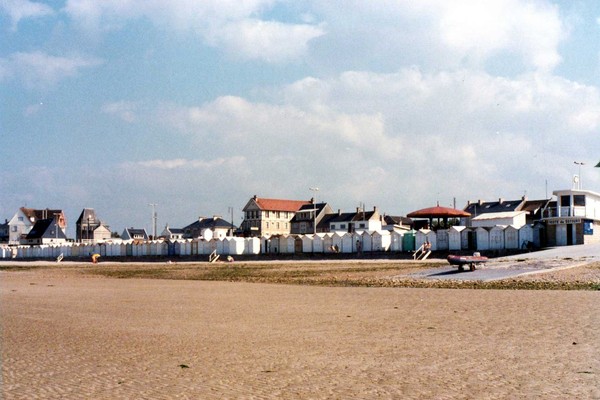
(266, 217)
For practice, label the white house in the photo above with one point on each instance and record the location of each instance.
(575, 219)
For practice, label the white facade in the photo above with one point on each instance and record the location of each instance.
(489, 220)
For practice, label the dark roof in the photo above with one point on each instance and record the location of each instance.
(88, 214)
(394, 220)
(308, 207)
(342, 217)
(208, 223)
(46, 228)
(533, 206)
(493, 206)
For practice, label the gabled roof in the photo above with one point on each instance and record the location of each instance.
(46, 228)
(363, 215)
(279, 204)
(308, 207)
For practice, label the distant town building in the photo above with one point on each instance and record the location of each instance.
(172, 233)
(24, 220)
(575, 219)
(361, 220)
(218, 226)
(265, 217)
(304, 220)
(45, 231)
(134, 234)
(4, 229)
(89, 229)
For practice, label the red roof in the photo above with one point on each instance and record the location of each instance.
(438, 212)
(280, 205)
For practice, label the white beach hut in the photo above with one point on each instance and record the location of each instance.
(455, 237)
(307, 243)
(319, 243)
(497, 237)
(396, 240)
(483, 238)
(251, 246)
(442, 239)
(525, 236)
(511, 237)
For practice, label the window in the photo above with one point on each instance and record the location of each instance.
(579, 200)
(361, 225)
(21, 219)
(342, 226)
(277, 215)
(565, 201)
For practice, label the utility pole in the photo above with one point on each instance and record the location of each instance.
(315, 190)
(230, 209)
(579, 163)
(153, 205)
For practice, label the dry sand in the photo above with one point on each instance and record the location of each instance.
(82, 337)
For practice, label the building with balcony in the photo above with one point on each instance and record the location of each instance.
(573, 219)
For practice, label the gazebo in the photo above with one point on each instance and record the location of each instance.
(443, 213)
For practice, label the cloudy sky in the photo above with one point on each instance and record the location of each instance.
(198, 105)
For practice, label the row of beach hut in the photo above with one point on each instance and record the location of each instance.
(456, 238)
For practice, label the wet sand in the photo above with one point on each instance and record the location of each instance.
(82, 337)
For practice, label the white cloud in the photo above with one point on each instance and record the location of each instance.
(231, 25)
(479, 30)
(38, 68)
(267, 40)
(23, 9)
(372, 137)
(126, 110)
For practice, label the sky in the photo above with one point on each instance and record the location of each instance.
(196, 106)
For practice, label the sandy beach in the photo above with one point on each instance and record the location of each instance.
(67, 335)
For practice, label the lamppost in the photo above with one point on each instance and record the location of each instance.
(230, 209)
(315, 190)
(579, 163)
(153, 220)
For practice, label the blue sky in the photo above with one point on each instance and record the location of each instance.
(197, 106)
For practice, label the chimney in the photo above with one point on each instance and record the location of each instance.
(480, 202)
(255, 197)
(500, 200)
(339, 212)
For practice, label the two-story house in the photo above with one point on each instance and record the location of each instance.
(24, 219)
(575, 219)
(266, 217)
(308, 219)
(172, 233)
(504, 212)
(360, 220)
(218, 226)
(134, 234)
